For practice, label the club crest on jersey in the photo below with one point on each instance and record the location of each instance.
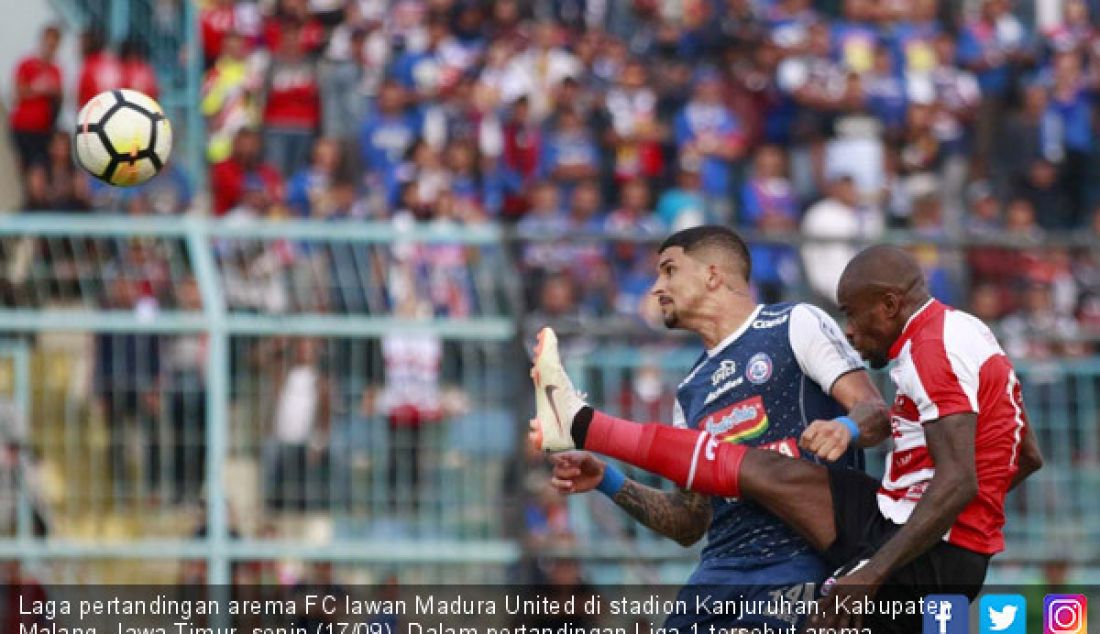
(725, 370)
(741, 421)
(759, 369)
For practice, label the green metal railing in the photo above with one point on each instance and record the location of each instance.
(205, 251)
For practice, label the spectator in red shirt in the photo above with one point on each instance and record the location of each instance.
(37, 99)
(520, 160)
(227, 178)
(137, 73)
(223, 17)
(635, 133)
(102, 69)
(311, 31)
(292, 108)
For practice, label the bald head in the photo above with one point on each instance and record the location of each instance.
(883, 267)
(880, 289)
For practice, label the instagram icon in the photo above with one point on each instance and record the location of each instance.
(1065, 614)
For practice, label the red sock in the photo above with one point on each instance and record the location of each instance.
(692, 459)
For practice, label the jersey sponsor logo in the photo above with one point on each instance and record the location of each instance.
(725, 370)
(759, 369)
(761, 324)
(741, 421)
(729, 385)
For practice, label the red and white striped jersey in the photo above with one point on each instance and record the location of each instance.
(949, 362)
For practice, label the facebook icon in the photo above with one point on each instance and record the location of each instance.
(946, 614)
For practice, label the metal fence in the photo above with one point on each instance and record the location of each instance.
(183, 399)
(189, 390)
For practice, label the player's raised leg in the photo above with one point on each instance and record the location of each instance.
(796, 491)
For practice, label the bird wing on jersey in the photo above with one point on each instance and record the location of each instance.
(761, 387)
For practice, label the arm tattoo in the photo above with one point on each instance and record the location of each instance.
(681, 515)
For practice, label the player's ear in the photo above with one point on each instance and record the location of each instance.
(891, 304)
(715, 277)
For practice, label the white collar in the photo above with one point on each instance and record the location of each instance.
(736, 333)
(919, 311)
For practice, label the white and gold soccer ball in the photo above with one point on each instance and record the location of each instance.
(122, 137)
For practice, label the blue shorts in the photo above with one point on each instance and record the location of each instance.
(760, 595)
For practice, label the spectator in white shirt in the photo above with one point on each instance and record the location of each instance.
(302, 417)
(837, 217)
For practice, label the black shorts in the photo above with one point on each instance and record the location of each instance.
(33, 147)
(861, 530)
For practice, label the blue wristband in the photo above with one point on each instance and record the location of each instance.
(612, 481)
(853, 428)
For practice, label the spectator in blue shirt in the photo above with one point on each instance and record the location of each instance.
(885, 94)
(708, 131)
(385, 136)
(1069, 124)
(788, 21)
(571, 154)
(913, 39)
(418, 70)
(988, 47)
(467, 186)
(309, 189)
(927, 222)
(683, 206)
(769, 206)
(853, 45)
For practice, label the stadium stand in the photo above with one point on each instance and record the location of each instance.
(319, 302)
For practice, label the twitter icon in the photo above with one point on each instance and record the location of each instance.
(1003, 614)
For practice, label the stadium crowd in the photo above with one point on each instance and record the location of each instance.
(840, 120)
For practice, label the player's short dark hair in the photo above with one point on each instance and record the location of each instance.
(712, 236)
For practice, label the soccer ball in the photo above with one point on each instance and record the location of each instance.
(122, 137)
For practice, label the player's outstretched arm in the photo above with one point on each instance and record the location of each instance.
(680, 515)
(829, 439)
(683, 516)
(954, 484)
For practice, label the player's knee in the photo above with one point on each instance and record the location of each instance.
(770, 471)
